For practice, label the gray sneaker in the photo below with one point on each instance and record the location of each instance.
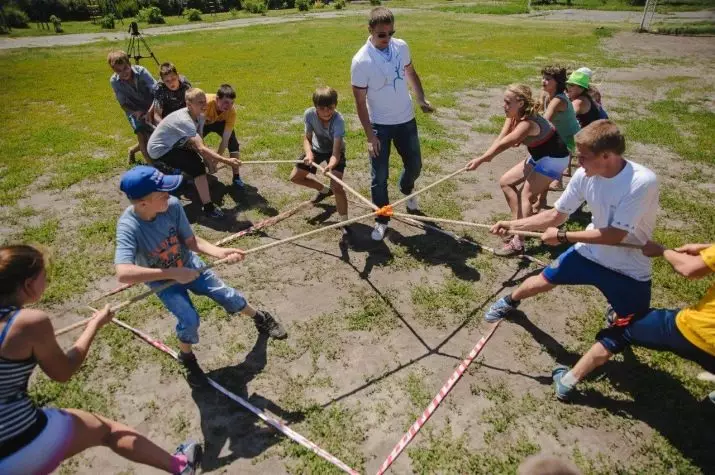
(563, 392)
(193, 452)
(499, 309)
(266, 324)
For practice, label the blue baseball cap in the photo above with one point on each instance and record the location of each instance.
(142, 180)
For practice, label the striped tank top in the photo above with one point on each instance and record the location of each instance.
(17, 412)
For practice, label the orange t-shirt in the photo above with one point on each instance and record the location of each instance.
(212, 115)
(697, 324)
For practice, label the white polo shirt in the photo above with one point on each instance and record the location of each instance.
(383, 74)
(628, 201)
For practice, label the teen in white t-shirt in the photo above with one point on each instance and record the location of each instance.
(623, 198)
(379, 74)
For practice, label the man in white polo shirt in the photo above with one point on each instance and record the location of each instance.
(384, 106)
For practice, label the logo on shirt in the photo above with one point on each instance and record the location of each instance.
(397, 75)
(167, 253)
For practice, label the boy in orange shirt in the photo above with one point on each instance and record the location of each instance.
(220, 117)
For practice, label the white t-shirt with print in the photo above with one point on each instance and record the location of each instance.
(388, 97)
(628, 201)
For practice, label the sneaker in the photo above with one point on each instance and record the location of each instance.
(266, 324)
(378, 234)
(563, 392)
(320, 196)
(193, 453)
(499, 309)
(195, 376)
(213, 211)
(238, 183)
(412, 205)
(610, 317)
(512, 248)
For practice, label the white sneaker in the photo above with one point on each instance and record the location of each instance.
(378, 234)
(412, 204)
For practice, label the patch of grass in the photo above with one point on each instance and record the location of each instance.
(664, 6)
(496, 122)
(506, 7)
(416, 390)
(443, 453)
(44, 234)
(689, 29)
(373, 315)
(337, 429)
(320, 336)
(454, 296)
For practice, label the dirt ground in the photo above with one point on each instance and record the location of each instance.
(378, 370)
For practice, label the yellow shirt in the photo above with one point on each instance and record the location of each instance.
(697, 323)
(212, 114)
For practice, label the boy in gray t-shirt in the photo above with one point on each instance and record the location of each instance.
(324, 142)
(155, 243)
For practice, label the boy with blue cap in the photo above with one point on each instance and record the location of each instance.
(155, 243)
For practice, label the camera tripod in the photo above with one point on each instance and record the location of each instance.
(136, 43)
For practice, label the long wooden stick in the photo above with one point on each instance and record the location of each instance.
(400, 201)
(216, 263)
(347, 187)
(508, 231)
(268, 162)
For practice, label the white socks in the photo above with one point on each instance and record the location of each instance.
(325, 190)
(569, 380)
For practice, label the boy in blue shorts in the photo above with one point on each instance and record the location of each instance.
(155, 243)
(323, 142)
(623, 198)
(133, 87)
(689, 333)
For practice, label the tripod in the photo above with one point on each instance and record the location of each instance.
(134, 46)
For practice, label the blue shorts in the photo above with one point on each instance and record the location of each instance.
(139, 126)
(176, 299)
(655, 330)
(630, 298)
(551, 167)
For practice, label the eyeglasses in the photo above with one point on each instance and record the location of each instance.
(386, 34)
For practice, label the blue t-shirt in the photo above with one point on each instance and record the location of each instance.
(159, 243)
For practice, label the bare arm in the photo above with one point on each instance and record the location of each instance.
(56, 363)
(503, 142)
(202, 246)
(685, 260)
(198, 144)
(414, 80)
(607, 236)
(580, 106)
(361, 107)
(537, 222)
(224, 141)
(555, 105)
(155, 112)
(308, 147)
(335, 157)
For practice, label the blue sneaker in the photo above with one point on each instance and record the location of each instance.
(194, 453)
(563, 392)
(213, 211)
(238, 183)
(499, 309)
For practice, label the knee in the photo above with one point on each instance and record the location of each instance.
(504, 182)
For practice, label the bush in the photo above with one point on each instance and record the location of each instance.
(15, 17)
(302, 5)
(193, 14)
(107, 21)
(233, 12)
(375, 2)
(318, 4)
(255, 6)
(151, 15)
(127, 8)
(339, 4)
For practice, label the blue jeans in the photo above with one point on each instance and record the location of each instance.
(656, 330)
(176, 299)
(407, 143)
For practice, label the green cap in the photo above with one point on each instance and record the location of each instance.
(579, 78)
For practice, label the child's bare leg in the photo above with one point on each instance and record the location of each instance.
(143, 139)
(236, 168)
(202, 187)
(597, 356)
(301, 177)
(91, 430)
(341, 200)
(509, 183)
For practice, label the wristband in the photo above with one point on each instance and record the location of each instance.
(561, 236)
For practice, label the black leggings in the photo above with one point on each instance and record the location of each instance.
(186, 160)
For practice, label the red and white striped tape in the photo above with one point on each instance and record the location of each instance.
(276, 423)
(456, 375)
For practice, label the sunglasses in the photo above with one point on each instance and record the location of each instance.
(386, 34)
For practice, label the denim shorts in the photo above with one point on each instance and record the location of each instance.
(177, 301)
(656, 330)
(551, 167)
(138, 125)
(629, 298)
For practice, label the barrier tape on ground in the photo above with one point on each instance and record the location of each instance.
(456, 375)
(274, 422)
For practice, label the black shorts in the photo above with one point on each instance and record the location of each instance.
(320, 158)
(187, 160)
(218, 127)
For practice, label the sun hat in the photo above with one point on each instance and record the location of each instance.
(579, 78)
(143, 180)
(586, 71)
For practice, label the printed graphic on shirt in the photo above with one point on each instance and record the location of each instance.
(167, 253)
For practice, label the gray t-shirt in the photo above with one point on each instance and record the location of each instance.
(136, 94)
(157, 244)
(323, 136)
(174, 130)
